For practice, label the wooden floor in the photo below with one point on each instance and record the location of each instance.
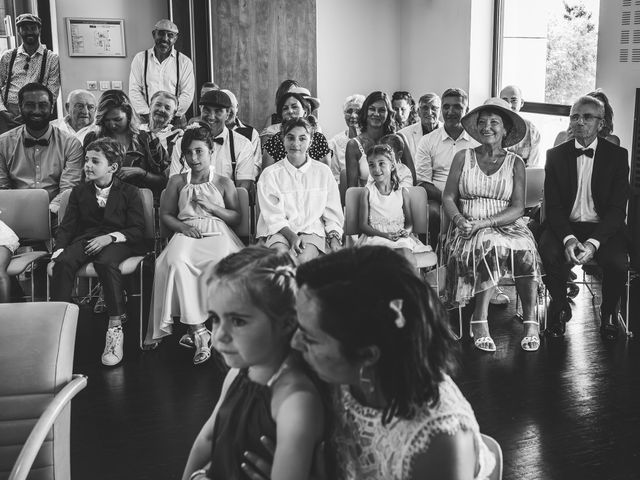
(569, 411)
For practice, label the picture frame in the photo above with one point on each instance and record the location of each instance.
(96, 37)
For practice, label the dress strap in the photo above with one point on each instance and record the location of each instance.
(188, 176)
(212, 172)
(360, 147)
(274, 378)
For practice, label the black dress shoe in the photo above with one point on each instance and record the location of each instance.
(608, 328)
(560, 315)
(572, 290)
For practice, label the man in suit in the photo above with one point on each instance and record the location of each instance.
(586, 190)
(103, 224)
(429, 113)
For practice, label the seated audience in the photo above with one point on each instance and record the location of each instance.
(488, 238)
(161, 112)
(429, 114)
(375, 121)
(9, 243)
(232, 152)
(299, 200)
(385, 209)
(295, 105)
(435, 153)
(605, 132)
(338, 143)
(586, 189)
(404, 108)
(206, 87)
(37, 155)
(198, 206)
(397, 145)
(81, 112)
(275, 119)
(529, 148)
(103, 224)
(234, 123)
(268, 390)
(145, 160)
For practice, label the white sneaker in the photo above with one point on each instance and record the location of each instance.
(113, 351)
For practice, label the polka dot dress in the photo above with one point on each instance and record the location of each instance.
(318, 149)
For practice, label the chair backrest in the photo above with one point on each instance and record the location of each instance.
(26, 212)
(36, 360)
(352, 210)
(534, 187)
(419, 210)
(494, 447)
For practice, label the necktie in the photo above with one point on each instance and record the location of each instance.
(587, 151)
(30, 142)
(219, 140)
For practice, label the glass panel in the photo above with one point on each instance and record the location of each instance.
(549, 126)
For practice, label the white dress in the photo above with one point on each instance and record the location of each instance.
(368, 450)
(386, 215)
(177, 289)
(8, 238)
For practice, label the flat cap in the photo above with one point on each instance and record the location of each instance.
(166, 25)
(216, 98)
(28, 18)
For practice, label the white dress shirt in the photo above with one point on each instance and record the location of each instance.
(305, 199)
(161, 76)
(413, 134)
(435, 153)
(245, 165)
(338, 145)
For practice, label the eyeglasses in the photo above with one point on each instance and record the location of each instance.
(587, 117)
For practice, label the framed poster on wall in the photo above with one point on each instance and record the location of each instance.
(96, 37)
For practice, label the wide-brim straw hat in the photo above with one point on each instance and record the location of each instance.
(497, 105)
(313, 101)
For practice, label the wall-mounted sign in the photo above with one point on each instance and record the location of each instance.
(96, 37)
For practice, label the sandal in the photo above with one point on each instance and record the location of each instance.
(486, 344)
(202, 340)
(187, 341)
(530, 343)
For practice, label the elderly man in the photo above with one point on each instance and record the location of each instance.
(586, 190)
(436, 150)
(81, 112)
(529, 148)
(30, 62)
(338, 143)
(162, 68)
(162, 110)
(429, 112)
(232, 152)
(37, 155)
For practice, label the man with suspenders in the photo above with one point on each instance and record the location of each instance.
(162, 68)
(30, 62)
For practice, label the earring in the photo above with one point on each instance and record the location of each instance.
(367, 384)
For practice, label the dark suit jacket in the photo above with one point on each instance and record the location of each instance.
(83, 220)
(609, 187)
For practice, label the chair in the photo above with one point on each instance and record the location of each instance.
(494, 447)
(36, 225)
(128, 266)
(419, 214)
(534, 187)
(36, 361)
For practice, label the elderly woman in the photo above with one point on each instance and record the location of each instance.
(404, 107)
(146, 159)
(488, 238)
(375, 121)
(338, 144)
(295, 105)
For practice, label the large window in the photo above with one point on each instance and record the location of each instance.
(548, 48)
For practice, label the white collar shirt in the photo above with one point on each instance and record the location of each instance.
(584, 209)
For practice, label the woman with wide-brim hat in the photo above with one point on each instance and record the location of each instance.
(488, 238)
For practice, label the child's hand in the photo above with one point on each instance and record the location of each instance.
(205, 204)
(403, 233)
(295, 242)
(130, 172)
(189, 231)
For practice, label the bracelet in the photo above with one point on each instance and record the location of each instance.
(455, 218)
(334, 235)
(198, 473)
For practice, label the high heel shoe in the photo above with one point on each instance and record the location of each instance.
(202, 340)
(530, 343)
(486, 344)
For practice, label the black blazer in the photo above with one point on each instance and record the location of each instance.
(83, 219)
(609, 187)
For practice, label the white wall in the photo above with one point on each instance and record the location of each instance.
(139, 18)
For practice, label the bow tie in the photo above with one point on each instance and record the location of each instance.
(30, 142)
(587, 151)
(219, 140)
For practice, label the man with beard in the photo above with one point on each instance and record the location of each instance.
(436, 150)
(232, 152)
(162, 110)
(30, 62)
(429, 112)
(37, 155)
(81, 112)
(162, 68)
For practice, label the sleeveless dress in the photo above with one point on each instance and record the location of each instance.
(386, 215)
(477, 263)
(176, 287)
(368, 450)
(8, 238)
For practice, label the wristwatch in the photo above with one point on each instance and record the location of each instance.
(333, 234)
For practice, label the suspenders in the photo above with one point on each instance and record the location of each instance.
(14, 54)
(232, 151)
(146, 65)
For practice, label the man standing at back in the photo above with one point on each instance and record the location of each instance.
(529, 148)
(162, 68)
(30, 62)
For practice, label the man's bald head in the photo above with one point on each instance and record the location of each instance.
(513, 96)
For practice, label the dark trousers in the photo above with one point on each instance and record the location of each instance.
(106, 264)
(611, 257)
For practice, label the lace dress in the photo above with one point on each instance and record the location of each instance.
(386, 215)
(367, 450)
(176, 287)
(477, 263)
